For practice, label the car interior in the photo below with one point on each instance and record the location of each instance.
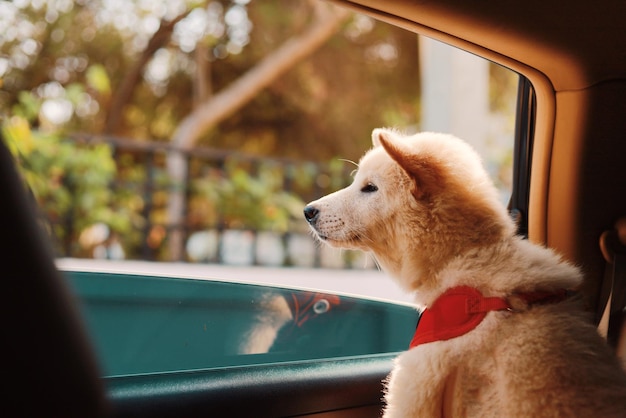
(569, 194)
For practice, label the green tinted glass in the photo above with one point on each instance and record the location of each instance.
(146, 324)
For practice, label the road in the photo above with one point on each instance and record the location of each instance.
(368, 283)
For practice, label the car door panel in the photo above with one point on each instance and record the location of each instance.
(327, 388)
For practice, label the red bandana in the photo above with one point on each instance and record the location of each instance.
(459, 310)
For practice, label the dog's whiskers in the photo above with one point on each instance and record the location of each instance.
(378, 267)
(353, 172)
(349, 161)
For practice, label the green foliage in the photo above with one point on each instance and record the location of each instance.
(28, 106)
(241, 200)
(70, 182)
(97, 78)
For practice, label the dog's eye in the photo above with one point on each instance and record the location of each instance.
(369, 188)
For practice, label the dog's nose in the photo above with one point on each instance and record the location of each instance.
(311, 213)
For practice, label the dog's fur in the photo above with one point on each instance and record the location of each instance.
(426, 209)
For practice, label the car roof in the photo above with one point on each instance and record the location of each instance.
(584, 37)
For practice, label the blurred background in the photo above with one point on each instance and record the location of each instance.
(197, 130)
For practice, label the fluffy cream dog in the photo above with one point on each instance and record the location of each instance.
(500, 336)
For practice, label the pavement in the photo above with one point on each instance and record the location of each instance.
(365, 283)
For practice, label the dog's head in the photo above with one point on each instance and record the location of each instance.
(415, 203)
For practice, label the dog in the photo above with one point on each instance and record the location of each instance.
(501, 334)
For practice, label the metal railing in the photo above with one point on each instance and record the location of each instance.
(239, 209)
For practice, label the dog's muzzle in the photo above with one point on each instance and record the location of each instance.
(311, 214)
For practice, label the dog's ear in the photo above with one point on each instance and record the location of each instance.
(378, 132)
(423, 168)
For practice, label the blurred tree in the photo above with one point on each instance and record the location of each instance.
(218, 107)
(163, 70)
(124, 92)
(143, 66)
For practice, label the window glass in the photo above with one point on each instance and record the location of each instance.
(184, 139)
(146, 324)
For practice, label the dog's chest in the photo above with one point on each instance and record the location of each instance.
(471, 390)
(460, 374)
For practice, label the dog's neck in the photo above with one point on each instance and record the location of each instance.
(413, 276)
(488, 269)
(418, 272)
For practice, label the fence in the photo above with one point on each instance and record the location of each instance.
(239, 209)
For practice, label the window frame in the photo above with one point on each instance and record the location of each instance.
(522, 154)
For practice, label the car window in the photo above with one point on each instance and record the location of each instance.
(171, 143)
(145, 324)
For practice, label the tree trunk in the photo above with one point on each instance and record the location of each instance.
(326, 22)
(124, 92)
(202, 82)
